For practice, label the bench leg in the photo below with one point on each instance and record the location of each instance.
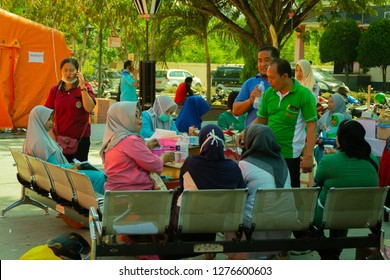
(24, 199)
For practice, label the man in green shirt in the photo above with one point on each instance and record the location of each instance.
(288, 107)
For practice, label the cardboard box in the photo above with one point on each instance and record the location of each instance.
(382, 132)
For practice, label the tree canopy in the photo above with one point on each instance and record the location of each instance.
(374, 47)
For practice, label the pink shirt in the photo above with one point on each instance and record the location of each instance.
(128, 165)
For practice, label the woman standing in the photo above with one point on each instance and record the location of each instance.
(72, 100)
(159, 116)
(304, 75)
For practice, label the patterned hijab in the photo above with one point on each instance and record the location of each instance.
(262, 150)
(162, 104)
(38, 142)
(120, 124)
(211, 142)
(339, 107)
(308, 78)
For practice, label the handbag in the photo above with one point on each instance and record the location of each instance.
(68, 144)
(158, 183)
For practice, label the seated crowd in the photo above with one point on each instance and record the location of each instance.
(270, 156)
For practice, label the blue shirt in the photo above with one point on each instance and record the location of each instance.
(128, 91)
(245, 92)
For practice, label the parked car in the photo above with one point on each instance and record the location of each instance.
(227, 75)
(173, 77)
(326, 81)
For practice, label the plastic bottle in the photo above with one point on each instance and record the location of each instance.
(257, 101)
(182, 146)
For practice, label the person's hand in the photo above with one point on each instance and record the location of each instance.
(255, 93)
(134, 72)
(76, 166)
(168, 157)
(240, 140)
(153, 143)
(80, 76)
(307, 164)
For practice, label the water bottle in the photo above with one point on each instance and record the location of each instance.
(182, 146)
(257, 101)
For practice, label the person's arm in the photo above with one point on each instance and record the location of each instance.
(311, 138)
(174, 128)
(52, 96)
(86, 94)
(147, 129)
(52, 159)
(134, 74)
(244, 100)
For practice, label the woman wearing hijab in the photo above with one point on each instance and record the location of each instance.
(304, 75)
(159, 116)
(336, 104)
(38, 143)
(354, 166)
(263, 166)
(190, 115)
(128, 161)
(208, 170)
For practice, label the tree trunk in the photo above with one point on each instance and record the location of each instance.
(384, 70)
(208, 68)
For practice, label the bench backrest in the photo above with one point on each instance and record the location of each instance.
(210, 211)
(284, 209)
(354, 207)
(60, 181)
(22, 165)
(85, 194)
(136, 212)
(41, 177)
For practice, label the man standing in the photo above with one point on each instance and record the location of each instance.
(250, 89)
(128, 82)
(287, 108)
(183, 91)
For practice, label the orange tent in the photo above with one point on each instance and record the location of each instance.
(30, 57)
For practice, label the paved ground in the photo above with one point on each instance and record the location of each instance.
(27, 226)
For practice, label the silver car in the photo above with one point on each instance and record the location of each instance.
(173, 77)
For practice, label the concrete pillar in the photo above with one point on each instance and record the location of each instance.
(299, 45)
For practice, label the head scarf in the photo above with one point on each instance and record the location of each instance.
(120, 124)
(38, 142)
(262, 150)
(339, 107)
(193, 109)
(161, 105)
(308, 78)
(212, 143)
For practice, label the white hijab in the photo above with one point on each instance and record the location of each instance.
(120, 124)
(38, 142)
(161, 105)
(308, 78)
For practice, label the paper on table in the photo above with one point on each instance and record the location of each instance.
(163, 133)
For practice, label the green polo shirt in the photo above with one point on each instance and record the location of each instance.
(287, 116)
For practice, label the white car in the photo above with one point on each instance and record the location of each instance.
(173, 77)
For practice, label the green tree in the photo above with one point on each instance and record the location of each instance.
(374, 47)
(339, 43)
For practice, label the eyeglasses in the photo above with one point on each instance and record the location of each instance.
(138, 116)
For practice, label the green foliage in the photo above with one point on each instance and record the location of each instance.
(374, 46)
(339, 42)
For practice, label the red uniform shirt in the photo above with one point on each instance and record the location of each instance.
(181, 94)
(70, 116)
